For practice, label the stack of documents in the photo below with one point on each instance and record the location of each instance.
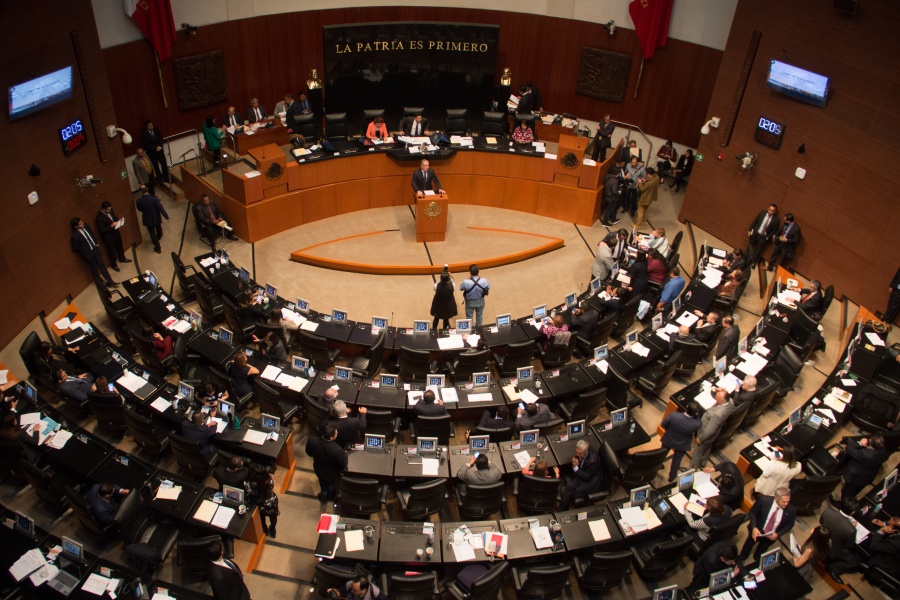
(216, 515)
(271, 372)
(451, 342)
(687, 319)
(541, 537)
(704, 487)
(27, 564)
(599, 530)
(633, 520)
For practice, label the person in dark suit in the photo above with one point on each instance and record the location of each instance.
(208, 217)
(717, 557)
(225, 577)
(152, 141)
(143, 170)
(706, 329)
(885, 546)
(728, 341)
(415, 126)
(496, 420)
(683, 335)
(232, 473)
(864, 459)
(534, 413)
(893, 307)
(84, 243)
(587, 476)
(104, 498)
(425, 179)
(198, 430)
(232, 118)
(770, 518)
(328, 459)
(429, 406)
(478, 470)
(584, 321)
(609, 301)
(256, 112)
(730, 483)
(680, 428)
(737, 262)
(348, 427)
(106, 222)
(536, 100)
(638, 273)
(152, 211)
(785, 242)
(761, 230)
(603, 139)
(526, 102)
(682, 169)
(746, 392)
(839, 522)
(74, 387)
(811, 299)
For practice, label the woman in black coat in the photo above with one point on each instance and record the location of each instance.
(638, 273)
(443, 305)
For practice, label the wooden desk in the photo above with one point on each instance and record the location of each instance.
(71, 308)
(277, 135)
(11, 380)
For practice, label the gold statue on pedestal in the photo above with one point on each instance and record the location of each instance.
(506, 77)
(314, 83)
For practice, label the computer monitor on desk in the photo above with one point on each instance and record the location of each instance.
(435, 380)
(339, 316)
(721, 366)
(769, 560)
(427, 445)
(619, 417)
(595, 286)
(389, 381)
(529, 437)
(302, 306)
(186, 391)
(479, 443)
(720, 581)
(504, 320)
(639, 496)
(232, 495)
(72, 551)
(575, 429)
(796, 416)
(271, 291)
(571, 299)
(245, 276)
(30, 391)
(686, 481)
(298, 363)
(481, 381)
(379, 322)
(463, 326)
(539, 312)
(270, 422)
(600, 353)
(670, 592)
(889, 482)
(226, 335)
(343, 374)
(152, 280)
(421, 327)
(24, 524)
(374, 442)
(524, 374)
(226, 408)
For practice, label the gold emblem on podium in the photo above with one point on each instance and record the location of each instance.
(433, 209)
(274, 172)
(569, 160)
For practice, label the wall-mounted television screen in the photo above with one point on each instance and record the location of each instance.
(31, 96)
(798, 83)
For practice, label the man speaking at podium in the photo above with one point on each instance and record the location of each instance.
(425, 179)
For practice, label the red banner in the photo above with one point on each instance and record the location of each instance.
(651, 22)
(154, 18)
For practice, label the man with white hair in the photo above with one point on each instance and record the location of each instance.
(770, 518)
(747, 391)
(348, 427)
(587, 475)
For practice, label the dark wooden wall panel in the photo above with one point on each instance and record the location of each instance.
(845, 205)
(37, 267)
(270, 55)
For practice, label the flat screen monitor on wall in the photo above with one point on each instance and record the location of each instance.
(39, 93)
(798, 83)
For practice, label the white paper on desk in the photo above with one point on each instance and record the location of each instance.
(131, 382)
(27, 563)
(551, 156)
(448, 394)
(704, 486)
(473, 339)
(827, 412)
(223, 517)
(712, 281)
(687, 319)
(705, 399)
(600, 530)
(833, 403)
(861, 533)
(522, 457)
(271, 373)
(482, 397)
(309, 326)
(634, 517)
(652, 520)
(210, 260)
(603, 366)
(541, 537)
(528, 397)
(413, 396)
(252, 174)
(451, 342)
(715, 261)
(462, 551)
(662, 333)
(111, 587)
(874, 338)
(763, 446)
(588, 162)
(62, 324)
(511, 393)
(728, 382)
(95, 584)
(59, 439)
(678, 501)
(168, 493)
(160, 596)
(284, 379)
(45, 574)
(430, 466)
(540, 147)
(848, 382)
(161, 404)
(298, 384)
(354, 540)
(206, 511)
(73, 325)
(640, 349)
(255, 437)
(29, 418)
(490, 139)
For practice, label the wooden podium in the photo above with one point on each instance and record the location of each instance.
(272, 166)
(568, 165)
(431, 218)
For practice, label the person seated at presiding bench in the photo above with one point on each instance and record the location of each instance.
(430, 406)
(416, 126)
(523, 134)
(104, 498)
(377, 129)
(483, 472)
(256, 112)
(347, 426)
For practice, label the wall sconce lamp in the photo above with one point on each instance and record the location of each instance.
(111, 132)
(714, 123)
(610, 27)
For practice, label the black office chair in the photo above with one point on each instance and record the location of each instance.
(145, 433)
(192, 555)
(43, 485)
(467, 363)
(361, 497)
(786, 369)
(367, 364)
(190, 368)
(382, 422)
(585, 406)
(643, 466)
(457, 123)
(486, 587)
(674, 245)
(370, 114)
(122, 306)
(315, 348)
(808, 493)
(600, 335)
(422, 500)
(730, 426)
(402, 586)
(493, 124)
(414, 365)
(536, 495)
(184, 280)
(612, 471)
(691, 353)
(108, 409)
(626, 317)
(82, 510)
(497, 434)
(804, 335)
(411, 111)
(271, 403)
(151, 361)
(440, 427)
(120, 330)
(264, 329)
(28, 351)
(618, 392)
(767, 389)
(530, 121)
(827, 298)
(541, 583)
(887, 582)
(242, 327)
(481, 500)
(601, 571)
(329, 575)
(656, 560)
(210, 303)
(315, 412)
(336, 127)
(189, 455)
(653, 378)
(545, 428)
(518, 354)
(559, 352)
(723, 532)
(221, 380)
(137, 525)
(306, 126)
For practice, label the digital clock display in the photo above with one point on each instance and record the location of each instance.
(769, 133)
(73, 137)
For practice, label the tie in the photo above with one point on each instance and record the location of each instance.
(762, 228)
(147, 166)
(770, 524)
(232, 120)
(416, 129)
(258, 116)
(89, 239)
(110, 215)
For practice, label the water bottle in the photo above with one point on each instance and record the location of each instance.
(631, 428)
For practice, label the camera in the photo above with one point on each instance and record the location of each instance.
(334, 595)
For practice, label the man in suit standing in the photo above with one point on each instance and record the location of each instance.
(199, 431)
(429, 406)
(143, 170)
(761, 231)
(483, 472)
(256, 113)
(348, 427)
(232, 118)
(587, 476)
(536, 100)
(770, 518)
(710, 425)
(282, 107)
(425, 179)
(84, 243)
(841, 525)
(526, 102)
(152, 212)
(603, 139)
(108, 225)
(603, 262)
(152, 141)
(865, 458)
(728, 341)
(225, 577)
(680, 428)
(104, 498)
(328, 460)
(785, 242)
(416, 126)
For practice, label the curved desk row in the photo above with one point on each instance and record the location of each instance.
(291, 193)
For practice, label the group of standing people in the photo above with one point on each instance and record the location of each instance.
(474, 289)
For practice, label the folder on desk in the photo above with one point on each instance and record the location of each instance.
(327, 545)
(599, 530)
(206, 511)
